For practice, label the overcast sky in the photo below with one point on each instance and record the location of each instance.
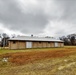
(38, 17)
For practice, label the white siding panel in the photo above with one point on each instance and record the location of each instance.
(28, 44)
(56, 44)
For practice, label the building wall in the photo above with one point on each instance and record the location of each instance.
(61, 44)
(13, 45)
(22, 44)
(17, 45)
(42, 44)
(47, 44)
(52, 44)
(34, 44)
(9, 44)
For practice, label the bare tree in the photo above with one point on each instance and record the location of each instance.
(5, 38)
(73, 40)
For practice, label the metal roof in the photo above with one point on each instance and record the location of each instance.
(25, 38)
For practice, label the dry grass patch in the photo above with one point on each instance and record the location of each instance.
(61, 61)
(20, 58)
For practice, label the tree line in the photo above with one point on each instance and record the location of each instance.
(69, 39)
(4, 39)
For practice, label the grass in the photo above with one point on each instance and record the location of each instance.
(47, 61)
(3, 51)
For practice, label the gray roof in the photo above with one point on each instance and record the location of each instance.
(25, 38)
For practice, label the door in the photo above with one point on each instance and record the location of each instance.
(56, 44)
(28, 44)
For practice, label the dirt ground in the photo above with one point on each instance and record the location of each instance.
(61, 61)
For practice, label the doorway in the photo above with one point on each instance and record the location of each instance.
(28, 44)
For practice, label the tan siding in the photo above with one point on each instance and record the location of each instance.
(48, 44)
(17, 45)
(9, 45)
(21, 45)
(44, 44)
(13, 45)
(58, 44)
(62, 44)
(39, 44)
(34, 44)
(52, 44)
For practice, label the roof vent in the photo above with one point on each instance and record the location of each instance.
(31, 35)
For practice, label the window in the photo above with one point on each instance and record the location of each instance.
(14, 42)
(39, 42)
(48, 42)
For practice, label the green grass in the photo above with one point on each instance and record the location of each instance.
(3, 51)
(10, 51)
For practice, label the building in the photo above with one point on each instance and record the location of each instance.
(22, 42)
(0, 41)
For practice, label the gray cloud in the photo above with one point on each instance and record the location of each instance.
(69, 7)
(12, 16)
(46, 17)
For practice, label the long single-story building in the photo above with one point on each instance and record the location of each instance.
(23, 42)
